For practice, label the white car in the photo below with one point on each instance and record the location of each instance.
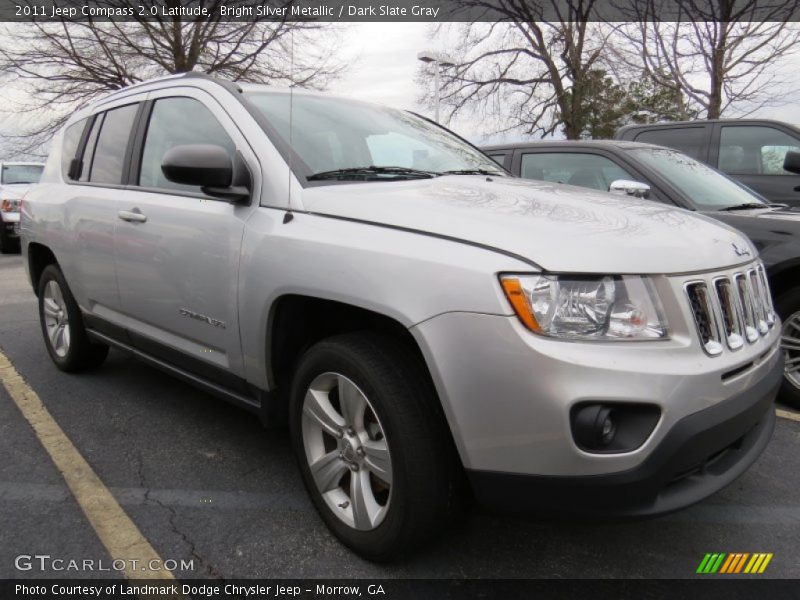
(15, 180)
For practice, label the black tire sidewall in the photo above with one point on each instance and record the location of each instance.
(788, 304)
(81, 353)
(391, 536)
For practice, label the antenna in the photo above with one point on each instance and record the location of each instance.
(288, 217)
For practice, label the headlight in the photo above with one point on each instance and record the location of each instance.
(603, 308)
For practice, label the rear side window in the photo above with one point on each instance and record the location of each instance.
(178, 122)
(108, 161)
(689, 140)
(69, 147)
(584, 170)
(754, 150)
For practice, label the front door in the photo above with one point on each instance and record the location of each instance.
(177, 250)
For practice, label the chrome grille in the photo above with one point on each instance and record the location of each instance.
(731, 310)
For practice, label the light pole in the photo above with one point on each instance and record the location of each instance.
(439, 61)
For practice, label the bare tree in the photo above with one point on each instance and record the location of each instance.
(523, 71)
(61, 65)
(724, 55)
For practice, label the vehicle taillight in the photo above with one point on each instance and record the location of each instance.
(6, 206)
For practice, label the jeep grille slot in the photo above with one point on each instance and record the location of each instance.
(745, 298)
(731, 321)
(766, 296)
(704, 317)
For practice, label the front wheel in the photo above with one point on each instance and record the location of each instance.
(788, 307)
(373, 450)
(62, 325)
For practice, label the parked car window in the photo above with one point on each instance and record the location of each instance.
(178, 122)
(689, 140)
(109, 155)
(328, 134)
(585, 170)
(69, 145)
(754, 150)
(705, 187)
(500, 159)
(21, 174)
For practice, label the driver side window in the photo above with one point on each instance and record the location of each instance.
(177, 122)
(584, 170)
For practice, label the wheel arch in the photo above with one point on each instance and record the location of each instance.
(39, 257)
(297, 321)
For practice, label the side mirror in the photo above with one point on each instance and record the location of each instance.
(626, 187)
(209, 167)
(791, 162)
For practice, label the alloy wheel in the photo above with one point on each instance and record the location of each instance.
(347, 451)
(790, 340)
(56, 319)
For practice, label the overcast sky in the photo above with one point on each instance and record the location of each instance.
(387, 62)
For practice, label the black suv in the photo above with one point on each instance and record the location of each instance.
(749, 150)
(665, 175)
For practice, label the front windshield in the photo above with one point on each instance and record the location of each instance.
(331, 134)
(706, 188)
(21, 173)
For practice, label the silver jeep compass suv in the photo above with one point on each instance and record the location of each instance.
(425, 321)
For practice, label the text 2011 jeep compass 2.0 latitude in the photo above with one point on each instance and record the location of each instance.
(418, 314)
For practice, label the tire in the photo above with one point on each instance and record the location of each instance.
(398, 410)
(788, 307)
(62, 325)
(7, 245)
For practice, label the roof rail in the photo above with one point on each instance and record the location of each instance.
(230, 86)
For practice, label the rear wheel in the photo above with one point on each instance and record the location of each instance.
(62, 325)
(788, 307)
(372, 446)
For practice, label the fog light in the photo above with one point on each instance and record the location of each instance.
(614, 427)
(608, 429)
(594, 427)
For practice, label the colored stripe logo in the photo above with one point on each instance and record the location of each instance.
(735, 562)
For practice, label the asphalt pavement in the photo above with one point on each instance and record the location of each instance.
(204, 483)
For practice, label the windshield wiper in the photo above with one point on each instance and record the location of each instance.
(745, 206)
(471, 172)
(366, 172)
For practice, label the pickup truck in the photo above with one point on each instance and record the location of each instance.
(749, 150)
(425, 323)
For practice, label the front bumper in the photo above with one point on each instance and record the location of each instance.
(701, 454)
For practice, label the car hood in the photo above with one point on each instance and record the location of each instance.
(559, 227)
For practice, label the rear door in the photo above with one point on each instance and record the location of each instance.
(178, 256)
(754, 153)
(94, 168)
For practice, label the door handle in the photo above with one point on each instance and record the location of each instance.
(132, 216)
